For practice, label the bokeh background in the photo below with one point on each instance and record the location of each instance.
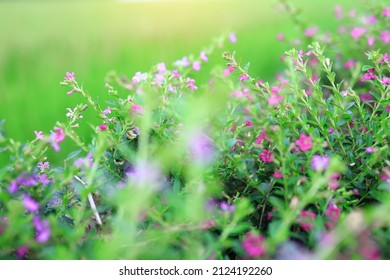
(41, 40)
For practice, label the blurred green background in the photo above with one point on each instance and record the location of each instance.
(41, 40)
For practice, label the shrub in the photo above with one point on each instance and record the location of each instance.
(235, 168)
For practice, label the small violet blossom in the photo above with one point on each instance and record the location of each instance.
(233, 38)
(42, 229)
(196, 66)
(203, 56)
(191, 84)
(226, 207)
(320, 163)
(43, 165)
(107, 111)
(30, 204)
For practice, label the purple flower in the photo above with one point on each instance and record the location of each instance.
(43, 179)
(201, 148)
(233, 38)
(226, 207)
(196, 66)
(42, 229)
(23, 180)
(370, 75)
(138, 77)
(145, 174)
(320, 163)
(107, 111)
(184, 62)
(42, 166)
(30, 204)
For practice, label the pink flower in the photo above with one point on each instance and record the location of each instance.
(306, 219)
(233, 38)
(371, 20)
(385, 81)
(43, 166)
(275, 99)
(161, 68)
(39, 135)
(248, 123)
(371, 41)
(136, 109)
(311, 31)
(370, 75)
(386, 12)
(261, 137)
(253, 245)
(357, 32)
(349, 64)
(107, 111)
(196, 66)
(184, 62)
(243, 77)
(370, 150)
(334, 183)
(191, 84)
(57, 137)
(30, 204)
(332, 213)
(320, 163)
(278, 175)
(103, 127)
(203, 56)
(275, 90)
(228, 70)
(338, 11)
(385, 36)
(70, 77)
(384, 58)
(266, 156)
(138, 77)
(176, 74)
(280, 37)
(304, 142)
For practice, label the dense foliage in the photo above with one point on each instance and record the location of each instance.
(237, 168)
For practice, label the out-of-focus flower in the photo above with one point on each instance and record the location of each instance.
(320, 163)
(253, 245)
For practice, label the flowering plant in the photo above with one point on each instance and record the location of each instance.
(235, 168)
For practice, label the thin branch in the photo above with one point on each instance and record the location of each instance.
(91, 202)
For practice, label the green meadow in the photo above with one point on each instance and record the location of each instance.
(41, 40)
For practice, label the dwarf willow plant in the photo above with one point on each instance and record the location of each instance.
(235, 168)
